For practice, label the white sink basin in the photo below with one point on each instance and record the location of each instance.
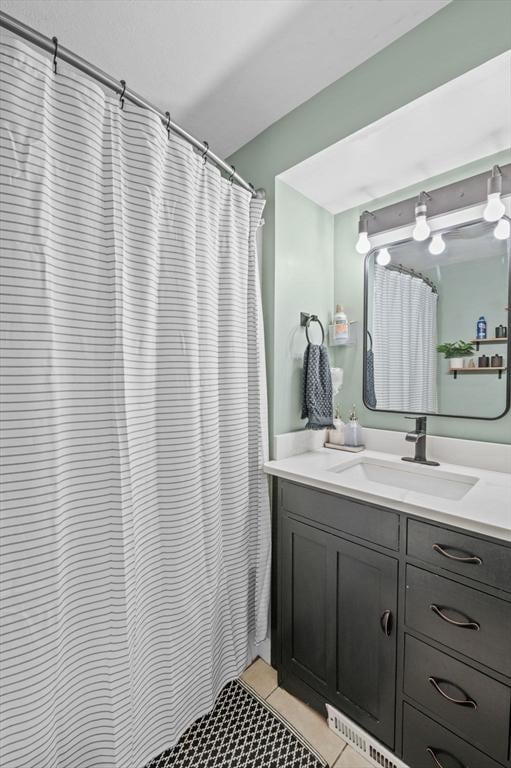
(430, 481)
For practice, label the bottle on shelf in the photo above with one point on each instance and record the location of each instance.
(481, 328)
(341, 324)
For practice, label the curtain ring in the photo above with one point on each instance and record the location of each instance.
(168, 123)
(56, 44)
(205, 153)
(121, 97)
(231, 177)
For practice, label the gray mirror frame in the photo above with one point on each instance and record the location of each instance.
(508, 345)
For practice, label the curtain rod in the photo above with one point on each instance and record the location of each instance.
(412, 273)
(63, 54)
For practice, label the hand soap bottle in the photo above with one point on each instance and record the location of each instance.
(353, 431)
(341, 325)
(336, 436)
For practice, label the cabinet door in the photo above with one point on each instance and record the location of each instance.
(365, 637)
(306, 561)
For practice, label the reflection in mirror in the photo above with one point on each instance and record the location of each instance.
(427, 348)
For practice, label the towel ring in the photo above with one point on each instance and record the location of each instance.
(314, 319)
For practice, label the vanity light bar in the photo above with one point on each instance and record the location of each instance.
(452, 197)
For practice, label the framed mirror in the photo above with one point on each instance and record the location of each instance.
(436, 324)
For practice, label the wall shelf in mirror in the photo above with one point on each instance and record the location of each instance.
(489, 369)
(495, 340)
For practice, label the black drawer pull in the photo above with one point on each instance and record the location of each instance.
(462, 624)
(472, 559)
(466, 702)
(386, 622)
(431, 753)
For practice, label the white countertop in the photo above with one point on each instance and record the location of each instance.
(485, 509)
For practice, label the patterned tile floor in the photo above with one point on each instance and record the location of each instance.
(263, 680)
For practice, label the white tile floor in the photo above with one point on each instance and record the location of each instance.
(263, 679)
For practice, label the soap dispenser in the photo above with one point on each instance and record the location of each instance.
(353, 431)
(336, 436)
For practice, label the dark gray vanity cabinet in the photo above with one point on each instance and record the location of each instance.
(401, 624)
(365, 609)
(306, 609)
(339, 605)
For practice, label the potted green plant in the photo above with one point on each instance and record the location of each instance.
(456, 351)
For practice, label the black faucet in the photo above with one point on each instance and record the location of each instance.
(419, 438)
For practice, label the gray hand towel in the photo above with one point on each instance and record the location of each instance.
(370, 396)
(317, 401)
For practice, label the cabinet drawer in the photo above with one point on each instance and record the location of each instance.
(358, 519)
(426, 744)
(468, 701)
(460, 617)
(460, 553)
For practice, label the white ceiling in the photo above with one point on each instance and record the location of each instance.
(226, 69)
(466, 119)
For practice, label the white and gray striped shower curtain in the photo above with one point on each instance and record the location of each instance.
(404, 342)
(135, 512)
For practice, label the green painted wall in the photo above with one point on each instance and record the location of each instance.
(304, 242)
(349, 289)
(461, 36)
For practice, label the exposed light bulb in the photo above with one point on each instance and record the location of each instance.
(503, 229)
(383, 257)
(437, 244)
(421, 229)
(363, 245)
(495, 208)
